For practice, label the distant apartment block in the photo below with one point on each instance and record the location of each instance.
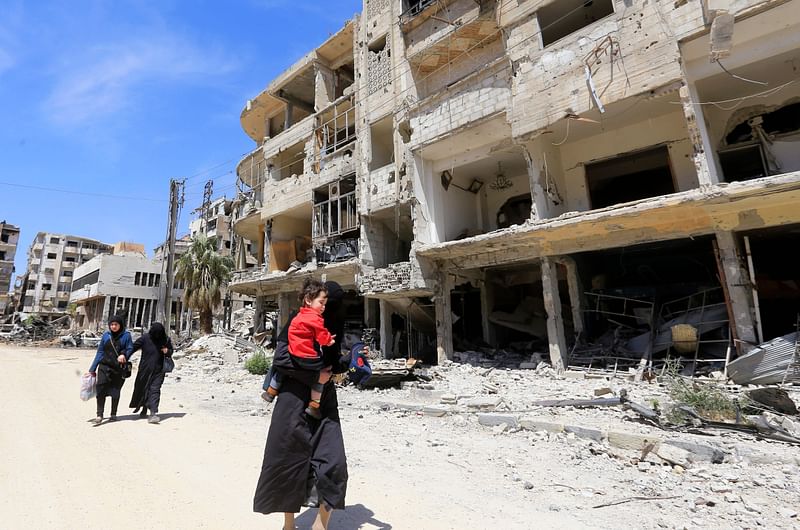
(52, 261)
(9, 238)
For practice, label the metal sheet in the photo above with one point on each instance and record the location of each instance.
(767, 364)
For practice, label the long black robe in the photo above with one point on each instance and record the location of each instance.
(150, 375)
(303, 453)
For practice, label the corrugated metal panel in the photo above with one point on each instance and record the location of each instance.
(768, 363)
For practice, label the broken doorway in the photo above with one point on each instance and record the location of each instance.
(630, 177)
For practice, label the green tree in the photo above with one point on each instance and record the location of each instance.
(203, 273)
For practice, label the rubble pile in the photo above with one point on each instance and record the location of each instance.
(242, 321)
(216, 349)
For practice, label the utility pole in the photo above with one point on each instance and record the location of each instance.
(208, 191)
(176, 188)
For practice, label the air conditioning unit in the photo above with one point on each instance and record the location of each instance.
(333, 190)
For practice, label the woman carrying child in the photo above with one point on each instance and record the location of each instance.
(304, 459)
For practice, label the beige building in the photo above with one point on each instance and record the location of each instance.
(574, 176)
(52, 260)
(9, 238)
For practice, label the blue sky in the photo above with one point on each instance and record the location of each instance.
(116, 97)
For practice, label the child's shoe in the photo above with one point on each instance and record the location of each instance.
(313, 410)
(269, 394)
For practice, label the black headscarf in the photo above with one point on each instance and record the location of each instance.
(158, 334)
(119, 320)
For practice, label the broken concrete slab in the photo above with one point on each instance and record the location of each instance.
(484, 402)
(490, 420)
(587, 433)
(634, 442)
(540, 424)
(436, 411)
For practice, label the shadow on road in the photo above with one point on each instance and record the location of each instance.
(132, 417)
(352, 518)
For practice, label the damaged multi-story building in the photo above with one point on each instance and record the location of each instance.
(9, 238)
(52, 260)
(569, 177)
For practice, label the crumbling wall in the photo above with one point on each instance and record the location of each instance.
(476, 97)
(636, 52)
(395, 277)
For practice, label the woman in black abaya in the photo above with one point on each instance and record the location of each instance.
(304, 460)
(155, 345)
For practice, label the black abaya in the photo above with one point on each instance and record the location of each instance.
(301, 453)
(150, 374)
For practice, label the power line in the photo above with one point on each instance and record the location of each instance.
(86, 193)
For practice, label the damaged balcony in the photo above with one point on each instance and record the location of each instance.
(335, 137)
(251, 173)
(311, 84)
(335, 223)
(475, 182)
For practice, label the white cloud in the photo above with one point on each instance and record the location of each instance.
(104, 80)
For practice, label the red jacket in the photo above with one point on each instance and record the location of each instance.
(307, 328)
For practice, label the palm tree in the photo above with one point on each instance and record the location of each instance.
(203, 272)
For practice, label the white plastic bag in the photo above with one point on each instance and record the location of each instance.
(88, 386)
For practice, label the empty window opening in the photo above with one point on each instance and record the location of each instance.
(382, 144)
(137, 278)
(389, 235)
(745, 162)
(415, 7)
(51, 255)
(2, 255)
(54, 240)
(630, 177)
(559, 19)
(785, 120)
(344, 79)
(290, 162)
(4, 238)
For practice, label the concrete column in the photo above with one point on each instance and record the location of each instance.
(739, 290)
(540, 209)
(702, 150)
(260, 243)
(324, 86)
(487, 303)
(575, 292)
(555, 324)
(259, 315)
(284, 308)
(386, 340)
(288, 116)
(444, 317)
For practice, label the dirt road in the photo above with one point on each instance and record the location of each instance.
(198, 468)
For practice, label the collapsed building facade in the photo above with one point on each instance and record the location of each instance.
(9, 238)
(578, 178)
